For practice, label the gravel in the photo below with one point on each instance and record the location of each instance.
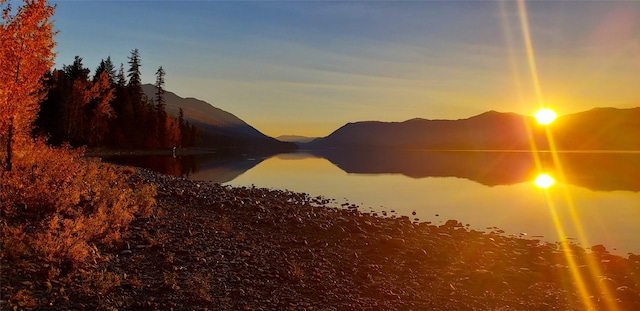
(214, 247)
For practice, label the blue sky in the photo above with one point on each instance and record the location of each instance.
(308, 67)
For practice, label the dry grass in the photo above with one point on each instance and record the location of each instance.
(57, 206)
(198, 287)
(295, 271)
(223, 225)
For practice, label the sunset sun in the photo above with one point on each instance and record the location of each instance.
(544, 181)
(545, 116)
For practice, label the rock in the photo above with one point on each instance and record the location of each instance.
(452, 223)
(481, 276)
(626, 293)
(599, 249)
(396, 243)
(608, 283)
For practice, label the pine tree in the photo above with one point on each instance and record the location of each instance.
(26, 55)
(135, 77)
(160, 101)
(76, 100)
(124, 111)
(121, 80)
(52, 109)
(108, 67)
(136, 102)
(163, 120)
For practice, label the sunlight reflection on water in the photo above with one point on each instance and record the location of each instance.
(482, 189)
(609, 217)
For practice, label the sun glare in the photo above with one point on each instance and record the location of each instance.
(544, 181)
(545, 116)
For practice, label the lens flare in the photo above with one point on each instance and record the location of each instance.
(545, 116)
(544, 181)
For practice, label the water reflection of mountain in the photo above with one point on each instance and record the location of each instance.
(214, 167)
(596, 171)
(225, 169)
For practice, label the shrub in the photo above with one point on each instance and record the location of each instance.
(57, 205)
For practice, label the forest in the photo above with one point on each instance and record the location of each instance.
(109, 109)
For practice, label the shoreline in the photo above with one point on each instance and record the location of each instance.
(340, 257)
(165, 152)
(214, 247)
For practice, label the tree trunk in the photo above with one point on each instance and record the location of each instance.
(9, 144)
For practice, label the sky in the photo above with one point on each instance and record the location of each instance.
(309, 67)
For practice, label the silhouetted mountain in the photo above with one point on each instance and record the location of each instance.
(220, 129)
(603, 128)
(599, 129)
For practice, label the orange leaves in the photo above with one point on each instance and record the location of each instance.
(69, 203)
(26, 54)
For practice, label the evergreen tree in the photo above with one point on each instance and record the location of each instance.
(181, 117)
(108, 67)
(160, 101)
(138, 123)
(123, 111)
(76, 71)
(163, 120)
(53, 108)
(75, 100)
(121, 80)
(135, 77)
(78, 110)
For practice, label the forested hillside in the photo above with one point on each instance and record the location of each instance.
(109, 109)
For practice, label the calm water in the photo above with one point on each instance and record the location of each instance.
(595, 200)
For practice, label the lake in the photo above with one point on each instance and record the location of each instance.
(595, 198)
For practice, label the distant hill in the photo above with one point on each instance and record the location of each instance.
(220, 129)
(597, 129)
(295, 138)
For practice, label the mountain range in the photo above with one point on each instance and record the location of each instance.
(219, 128)
(596, 129)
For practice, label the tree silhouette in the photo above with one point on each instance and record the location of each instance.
(135, 77)
(26, 54)
(105, 110)
(108, 67)
(160, 101)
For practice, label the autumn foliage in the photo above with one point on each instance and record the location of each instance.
(59, 211)
(58, 206)
(26, 54)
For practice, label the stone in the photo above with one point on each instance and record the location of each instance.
(452, 223)
(599, 249)
(396, 243)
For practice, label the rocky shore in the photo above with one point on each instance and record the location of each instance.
(213, 247)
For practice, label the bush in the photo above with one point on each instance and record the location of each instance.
(57, 206)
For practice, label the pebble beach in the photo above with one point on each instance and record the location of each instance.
(215, 247)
